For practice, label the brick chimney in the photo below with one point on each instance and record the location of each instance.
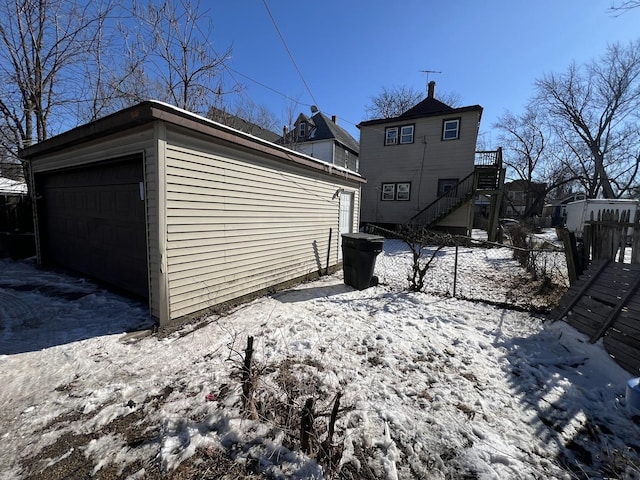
(431, 91)
(334, 119)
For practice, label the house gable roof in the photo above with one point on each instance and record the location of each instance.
(324, 128)
(327, 129)
(429, 107)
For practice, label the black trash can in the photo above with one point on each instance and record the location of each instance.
(359, 252)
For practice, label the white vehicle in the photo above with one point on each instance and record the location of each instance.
(579, 212)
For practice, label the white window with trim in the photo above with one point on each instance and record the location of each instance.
(400, 135)
(406, 134)
(451, 129)
(302, 130)
(388, 191)
(391, 136)
(400, 191)
(403, 190)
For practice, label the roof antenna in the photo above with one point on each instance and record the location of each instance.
(428, 72)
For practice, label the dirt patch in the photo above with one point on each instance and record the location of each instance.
(66, 458)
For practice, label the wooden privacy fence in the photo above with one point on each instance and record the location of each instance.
(607, 235)
(611, 234)
(604, 301)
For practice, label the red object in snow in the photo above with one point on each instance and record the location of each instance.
(210, 397)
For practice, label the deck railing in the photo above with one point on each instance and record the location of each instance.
(489, 158)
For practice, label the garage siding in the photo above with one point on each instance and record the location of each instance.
(224, 214)
(238, 223)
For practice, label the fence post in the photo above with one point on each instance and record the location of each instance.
(635, 242)
(570, 253)
(455, 272)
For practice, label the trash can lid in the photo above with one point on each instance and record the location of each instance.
(365, 237)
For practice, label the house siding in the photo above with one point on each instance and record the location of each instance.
(239, 222)
(322, 149)
(422, 163)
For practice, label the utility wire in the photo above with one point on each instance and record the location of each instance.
(266, 86)
(289, 52)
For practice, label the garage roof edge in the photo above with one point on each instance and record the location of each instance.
(151, 110)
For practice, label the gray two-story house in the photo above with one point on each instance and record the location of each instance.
(321, 137)
(421, 166)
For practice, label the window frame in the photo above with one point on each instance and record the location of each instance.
(408, 192)
(443, 182)
(384, 193)
(390, 191)
(445, 130)
(387, 131)
(401, 134)
(394, 135)
(302, 130)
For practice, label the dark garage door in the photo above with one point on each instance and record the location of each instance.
(93, 222)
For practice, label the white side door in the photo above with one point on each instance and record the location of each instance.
(346, 218)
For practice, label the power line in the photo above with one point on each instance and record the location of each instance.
(267, 87)
(289, 52)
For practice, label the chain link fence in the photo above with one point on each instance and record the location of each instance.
(532, 278)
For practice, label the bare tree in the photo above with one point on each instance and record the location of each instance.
(453, 99)
(528, 156)
(248, 117)
(175, 48)
(623, 6)
(257, 114)
(43, 44)
(117, 71)
(597, 105)
(393, 101)
(289, 115)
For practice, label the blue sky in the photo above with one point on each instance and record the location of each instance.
(489, 52)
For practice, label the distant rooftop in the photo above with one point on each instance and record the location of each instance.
(234, 121)
(429, 107)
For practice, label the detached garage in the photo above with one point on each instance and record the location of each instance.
(183, 211)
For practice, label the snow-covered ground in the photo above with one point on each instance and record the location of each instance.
(432, 387)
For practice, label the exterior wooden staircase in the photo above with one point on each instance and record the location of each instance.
(486, 178)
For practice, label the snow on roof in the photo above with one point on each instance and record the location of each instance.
(12, 187)
(240, 133)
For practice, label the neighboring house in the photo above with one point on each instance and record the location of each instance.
(238, 123)
(321, 137)
(15, 214)
(522, 198)
(184, 211)
(11, 170)
(420, 167)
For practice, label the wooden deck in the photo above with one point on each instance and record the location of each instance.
(605, 301)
